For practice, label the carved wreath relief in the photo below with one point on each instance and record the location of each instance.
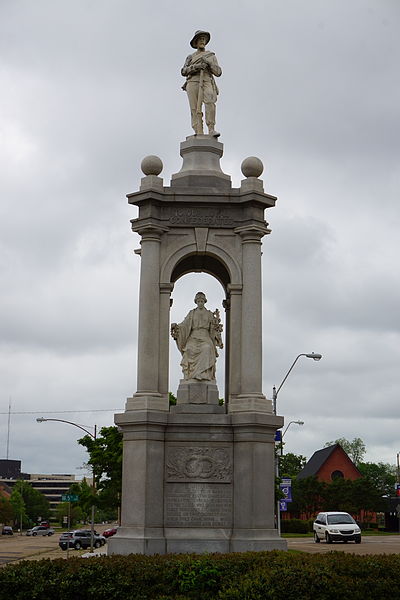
(185, 463)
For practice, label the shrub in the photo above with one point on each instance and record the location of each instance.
(368, 525)
(237, 576)
(294, 526)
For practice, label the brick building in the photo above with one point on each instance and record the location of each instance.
(330, 463)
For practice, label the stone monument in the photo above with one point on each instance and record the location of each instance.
(199, 477)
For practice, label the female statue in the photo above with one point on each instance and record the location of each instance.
(197, 338)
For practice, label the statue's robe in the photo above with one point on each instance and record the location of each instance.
(196, 343)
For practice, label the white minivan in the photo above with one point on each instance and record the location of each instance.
(336, 527)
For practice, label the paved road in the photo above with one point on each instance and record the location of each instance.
(377, 544)
(16, 547)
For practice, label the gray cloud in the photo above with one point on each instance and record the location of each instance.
(87, 91)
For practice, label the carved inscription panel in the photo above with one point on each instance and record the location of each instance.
(201, 216)
(198, 463)
(198, 505)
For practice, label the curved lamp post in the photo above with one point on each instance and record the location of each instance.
(275, 391)
(93, 435)
(289, 424)
(42, 419)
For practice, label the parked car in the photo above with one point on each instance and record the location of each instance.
(44, 524)
(336, 527)
(80, 539)
(98, 535)
(7, 530)
(40, 530)
(109, 532)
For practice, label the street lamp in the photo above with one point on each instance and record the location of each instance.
(42, 419)
(93, 435)
(275, 391)
(277, 458)
(315, 356)
(289, 424)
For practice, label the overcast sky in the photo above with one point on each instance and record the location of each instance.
(90, 87)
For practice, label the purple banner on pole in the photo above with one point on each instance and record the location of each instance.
(286, 491)
(282, 505)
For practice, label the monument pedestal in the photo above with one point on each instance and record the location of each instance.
(197, 482)
(195, 396)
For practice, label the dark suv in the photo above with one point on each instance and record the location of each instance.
(79, 539)
(7, 530)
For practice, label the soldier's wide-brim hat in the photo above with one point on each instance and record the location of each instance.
(198, 34)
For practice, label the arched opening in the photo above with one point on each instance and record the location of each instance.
(337, 475)
(202, 263)
(183, 294)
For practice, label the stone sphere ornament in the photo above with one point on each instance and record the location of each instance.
(252, 167)
(151, 165)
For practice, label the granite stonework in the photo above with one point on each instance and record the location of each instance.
(199, 477)
(197, 483)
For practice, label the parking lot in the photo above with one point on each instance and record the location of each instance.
(17, 547)
(374, 544)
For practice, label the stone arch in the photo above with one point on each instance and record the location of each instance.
(217, 263)
(188, 259)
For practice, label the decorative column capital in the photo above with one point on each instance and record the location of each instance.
(234, 288)
(252, 233)
(149, 232)
(166, 288)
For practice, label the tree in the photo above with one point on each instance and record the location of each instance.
(291, 464)
(355, 449)
(36, 504)
(64, 509)
(19, 509)
(6, 511)
(338, 495)
(367, 496)
(87, 497)
(307, 494)
(105, 458)
(381, 475)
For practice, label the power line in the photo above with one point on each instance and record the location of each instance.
(59, 412)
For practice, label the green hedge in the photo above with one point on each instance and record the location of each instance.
(294, 526)
(368, 525)
(244, 576)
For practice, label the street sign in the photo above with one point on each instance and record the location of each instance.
(282, 505)
(278, 435)
(70, 498)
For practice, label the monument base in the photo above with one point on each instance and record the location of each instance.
(197, 481)
(136, 540)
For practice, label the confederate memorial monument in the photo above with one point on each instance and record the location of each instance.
(199, 476)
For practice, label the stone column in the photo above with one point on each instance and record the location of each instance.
(251, 396)
(235, 292)
(254, 483)
(164, 337)
(148, 395)
(142, 525)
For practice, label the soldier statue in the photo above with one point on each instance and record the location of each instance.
(199, 70)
